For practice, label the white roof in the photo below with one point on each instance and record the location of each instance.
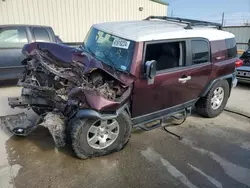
(148, 30)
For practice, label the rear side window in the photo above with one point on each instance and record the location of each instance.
(13, 38)
(41, 35)
(231, 48)
(200, 51)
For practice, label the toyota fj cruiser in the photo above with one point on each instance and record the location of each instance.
(126, 74)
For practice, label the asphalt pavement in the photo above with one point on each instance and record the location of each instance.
(213, 153)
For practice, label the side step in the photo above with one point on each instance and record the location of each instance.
(159, 121)
(150, 125)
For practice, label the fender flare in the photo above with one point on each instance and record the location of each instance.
(92, 114)
(210, 85)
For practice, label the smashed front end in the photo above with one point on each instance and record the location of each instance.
(61, 82)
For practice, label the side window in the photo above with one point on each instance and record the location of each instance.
(13, 38)
(41, 35)
(168, 55)
(231, 48)
(200, 51)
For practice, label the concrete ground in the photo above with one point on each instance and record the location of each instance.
(213, 153)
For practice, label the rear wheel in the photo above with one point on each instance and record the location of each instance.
(92, 138)
(215, 101)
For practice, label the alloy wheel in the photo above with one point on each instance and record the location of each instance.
(217, 98)
(102, 133)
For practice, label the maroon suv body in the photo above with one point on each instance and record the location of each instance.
(125, 74)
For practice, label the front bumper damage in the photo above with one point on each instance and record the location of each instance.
(59, 90)
(25, 101)
(22, 125)
(18, 124)
(55, 122)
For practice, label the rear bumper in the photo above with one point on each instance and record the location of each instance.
(242, 74)
(243, 80)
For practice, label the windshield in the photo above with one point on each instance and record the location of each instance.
(111, 50)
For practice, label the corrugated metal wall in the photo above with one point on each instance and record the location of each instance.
(71, 19)
(242, 35)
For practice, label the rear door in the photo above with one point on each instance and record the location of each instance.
(11, 43)
(41, 34)
(200, 66)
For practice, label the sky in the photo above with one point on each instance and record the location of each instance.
(236, 12)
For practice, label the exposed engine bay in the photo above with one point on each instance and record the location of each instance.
(47, 73)
(56, 89)
(64, 84)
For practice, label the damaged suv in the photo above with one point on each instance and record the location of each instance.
(126, 74)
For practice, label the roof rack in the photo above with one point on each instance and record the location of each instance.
(189, 22)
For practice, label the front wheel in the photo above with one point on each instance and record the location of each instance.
(92, 138)
(215, 101)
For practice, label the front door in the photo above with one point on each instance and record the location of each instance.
(174, 86)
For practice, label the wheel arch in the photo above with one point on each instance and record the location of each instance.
(81, 125)
(92, 114)
(229, 78)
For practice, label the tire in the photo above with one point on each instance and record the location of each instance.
(204, 104)
(79, 132)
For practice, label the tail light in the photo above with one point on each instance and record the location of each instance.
(238, 63)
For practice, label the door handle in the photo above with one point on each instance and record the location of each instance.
(184, 80)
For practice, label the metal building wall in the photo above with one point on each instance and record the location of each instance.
(242, 35)
(71, 19)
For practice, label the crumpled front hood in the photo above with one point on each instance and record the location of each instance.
(60, 52)
(65, 55)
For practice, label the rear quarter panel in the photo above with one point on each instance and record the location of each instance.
(50, 31)
(222, 65)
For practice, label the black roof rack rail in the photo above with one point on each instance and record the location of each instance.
(189, 22)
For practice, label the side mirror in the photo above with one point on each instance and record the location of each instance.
(150, 67)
